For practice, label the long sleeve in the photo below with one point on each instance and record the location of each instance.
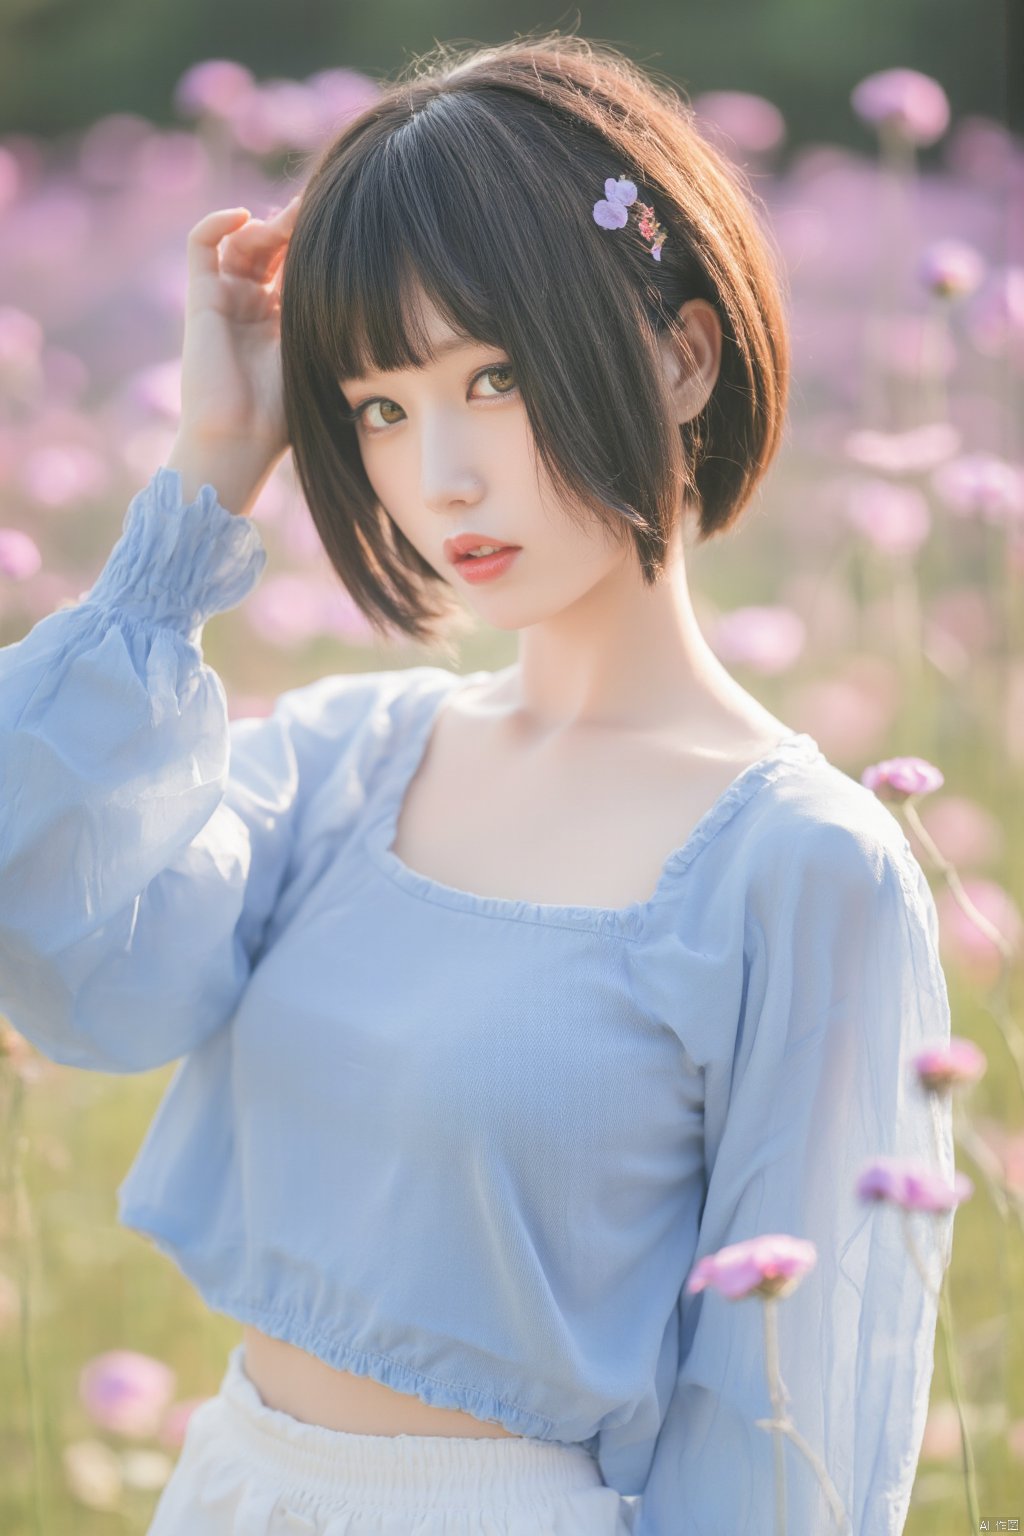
(142, 836)
(842, 987)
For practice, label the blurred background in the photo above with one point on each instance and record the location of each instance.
(871, 596)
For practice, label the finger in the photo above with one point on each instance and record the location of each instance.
(205, 237)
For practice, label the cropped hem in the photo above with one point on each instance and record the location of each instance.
(289, 1326)
(178, 562)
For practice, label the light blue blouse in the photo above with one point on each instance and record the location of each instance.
(468, 1146)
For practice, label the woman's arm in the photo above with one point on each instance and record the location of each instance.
(843, 987)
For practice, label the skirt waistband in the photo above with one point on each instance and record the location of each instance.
(448, 1468)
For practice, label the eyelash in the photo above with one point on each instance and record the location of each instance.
(356, 416)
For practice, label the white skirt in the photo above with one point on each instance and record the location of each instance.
(249, 1470)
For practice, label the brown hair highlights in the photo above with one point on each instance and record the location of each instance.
(473, 178)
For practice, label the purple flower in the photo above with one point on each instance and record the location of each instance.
(941, 1066)
(981, 485)
(912, 103)
(897, 778)
(913, 1186)
(610, 211)
(951, 268)
(213, 86)
(126, 1392)
(770, 1265)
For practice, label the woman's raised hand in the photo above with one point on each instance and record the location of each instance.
(231, 390)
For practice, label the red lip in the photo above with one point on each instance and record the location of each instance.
(456, 547)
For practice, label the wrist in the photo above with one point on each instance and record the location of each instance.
(236, 468)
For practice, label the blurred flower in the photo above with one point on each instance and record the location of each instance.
(213, 86)
(966, 832)
(174, 161)
(10, 178)
(157, 388)
(942, 1438)
(903, 452)
(65, 376)
(951, 268)
(768, 639)
(896, 518)
(770, 1265)
(242, 706)
(970, 948)
(29, 1064)
(10, 1303)
(19, 554)
(741, 120)
(981, 485)
(939, 1067)
(126, 1392)
(276, 115)
(897, 778)
(145, 1469)
(913, 104)
(916, 347)
(912, 1185)
(341, 94)
(290, 608)
(962, 615)
(106, 149)
(21, 345)
(1015, 1439)
(995, 316)
(1008, 1148)
(854, 709)
(979, 149)
(93, 1473)
(60, 474)
(175, 1421)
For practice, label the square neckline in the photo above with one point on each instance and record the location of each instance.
(402, 765)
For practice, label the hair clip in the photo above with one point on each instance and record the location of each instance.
(611, 212)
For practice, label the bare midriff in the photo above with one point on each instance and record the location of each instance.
(300, 1384)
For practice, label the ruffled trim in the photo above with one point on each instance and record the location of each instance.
(177, 563)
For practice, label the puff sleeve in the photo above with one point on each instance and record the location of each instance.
(142, 837)
(842, 986)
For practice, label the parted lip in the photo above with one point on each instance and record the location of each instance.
(461, 545)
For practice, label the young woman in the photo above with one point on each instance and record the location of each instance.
(501, 999)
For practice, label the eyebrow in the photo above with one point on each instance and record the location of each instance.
(442, 348)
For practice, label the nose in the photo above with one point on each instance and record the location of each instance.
(447, 476)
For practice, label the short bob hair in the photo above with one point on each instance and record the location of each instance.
(472, 178)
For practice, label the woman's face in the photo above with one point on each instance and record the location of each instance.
(448, 449)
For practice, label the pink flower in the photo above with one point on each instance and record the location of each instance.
(995, 316)
(897, 778)
(213, 87)
(767, 638)
(951, 268)
(770, 1265)
(126, 1392)
(913, 104)
(972, 949)
(19, 554)
(903, 452)
(914, 1186)
(896, 518)
(941, 1066)
(175, 1421)
(981, 485)
(744, 121)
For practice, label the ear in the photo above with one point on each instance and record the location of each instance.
(692, 362)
